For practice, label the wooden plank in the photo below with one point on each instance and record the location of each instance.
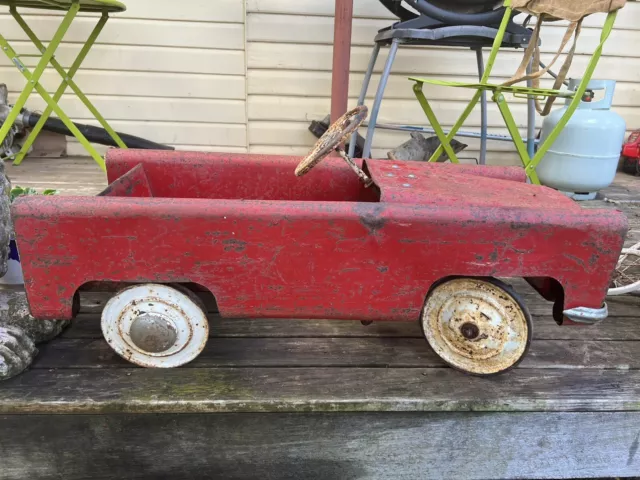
(362, 8)
(374, 9)
(464, 446)
(414, 61)
(121, 31)
(87, 326)
(315, 83)
(144, 109)
(205, 390)
(371, 352)
(139, 84)
(405, 112)
(302, 29)
(143, 58)
(187, 10)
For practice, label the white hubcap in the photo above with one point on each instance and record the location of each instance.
(476, 326)
(155, 326)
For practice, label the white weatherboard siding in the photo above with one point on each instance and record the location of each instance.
(249, 75)
(172, 72)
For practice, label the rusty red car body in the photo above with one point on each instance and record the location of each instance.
(268, 244)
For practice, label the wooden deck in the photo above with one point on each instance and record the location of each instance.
(280, 399)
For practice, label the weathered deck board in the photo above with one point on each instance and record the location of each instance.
(70, 176)
(370, 352)
(345, 446)
(615, 328)
(306, 390)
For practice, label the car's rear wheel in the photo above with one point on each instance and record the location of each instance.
(478, 326)
(155, 326)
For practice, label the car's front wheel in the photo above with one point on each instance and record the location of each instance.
(478, 326)
(155, 326)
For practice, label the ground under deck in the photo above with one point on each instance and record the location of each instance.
(274, 399)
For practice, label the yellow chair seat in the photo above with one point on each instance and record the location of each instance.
(515, 89)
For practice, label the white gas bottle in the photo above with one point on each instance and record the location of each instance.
(584, 158)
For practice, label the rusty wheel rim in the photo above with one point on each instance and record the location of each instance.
(476, 326)
(338, 133)
(155, 326)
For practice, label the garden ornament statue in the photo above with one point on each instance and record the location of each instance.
(19, 331)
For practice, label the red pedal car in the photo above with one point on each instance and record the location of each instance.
(399, 241)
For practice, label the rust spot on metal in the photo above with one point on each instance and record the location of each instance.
(234, 245)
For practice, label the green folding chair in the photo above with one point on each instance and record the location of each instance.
(499, 92)
(47, 57)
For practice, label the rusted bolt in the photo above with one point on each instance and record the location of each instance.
(152, 333)
(470, 331)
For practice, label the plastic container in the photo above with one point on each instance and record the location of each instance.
(14, 274)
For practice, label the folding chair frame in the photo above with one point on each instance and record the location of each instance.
(529, 163)
(47, 57)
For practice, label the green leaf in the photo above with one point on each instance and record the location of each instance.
(16, 192)
(21, 192)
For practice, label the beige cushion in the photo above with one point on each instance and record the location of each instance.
(572, 10)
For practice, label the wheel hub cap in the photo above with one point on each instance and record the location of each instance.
(155, 326)
(473, 327)
(153, 333)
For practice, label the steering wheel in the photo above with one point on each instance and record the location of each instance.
(334, 137)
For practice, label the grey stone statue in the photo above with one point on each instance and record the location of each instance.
(19, 331)
(420, 149)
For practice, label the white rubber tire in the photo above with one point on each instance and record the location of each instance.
(187, 322)
(477, 326)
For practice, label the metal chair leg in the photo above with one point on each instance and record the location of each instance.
(431, 116)
(363, 93)
(521, 148)
(483, 111)
(531, 118)
(373, 117)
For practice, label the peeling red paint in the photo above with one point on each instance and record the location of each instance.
(244, 227)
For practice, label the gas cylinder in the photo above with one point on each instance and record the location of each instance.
(585, 156)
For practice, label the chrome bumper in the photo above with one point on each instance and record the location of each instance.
(588, 316)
